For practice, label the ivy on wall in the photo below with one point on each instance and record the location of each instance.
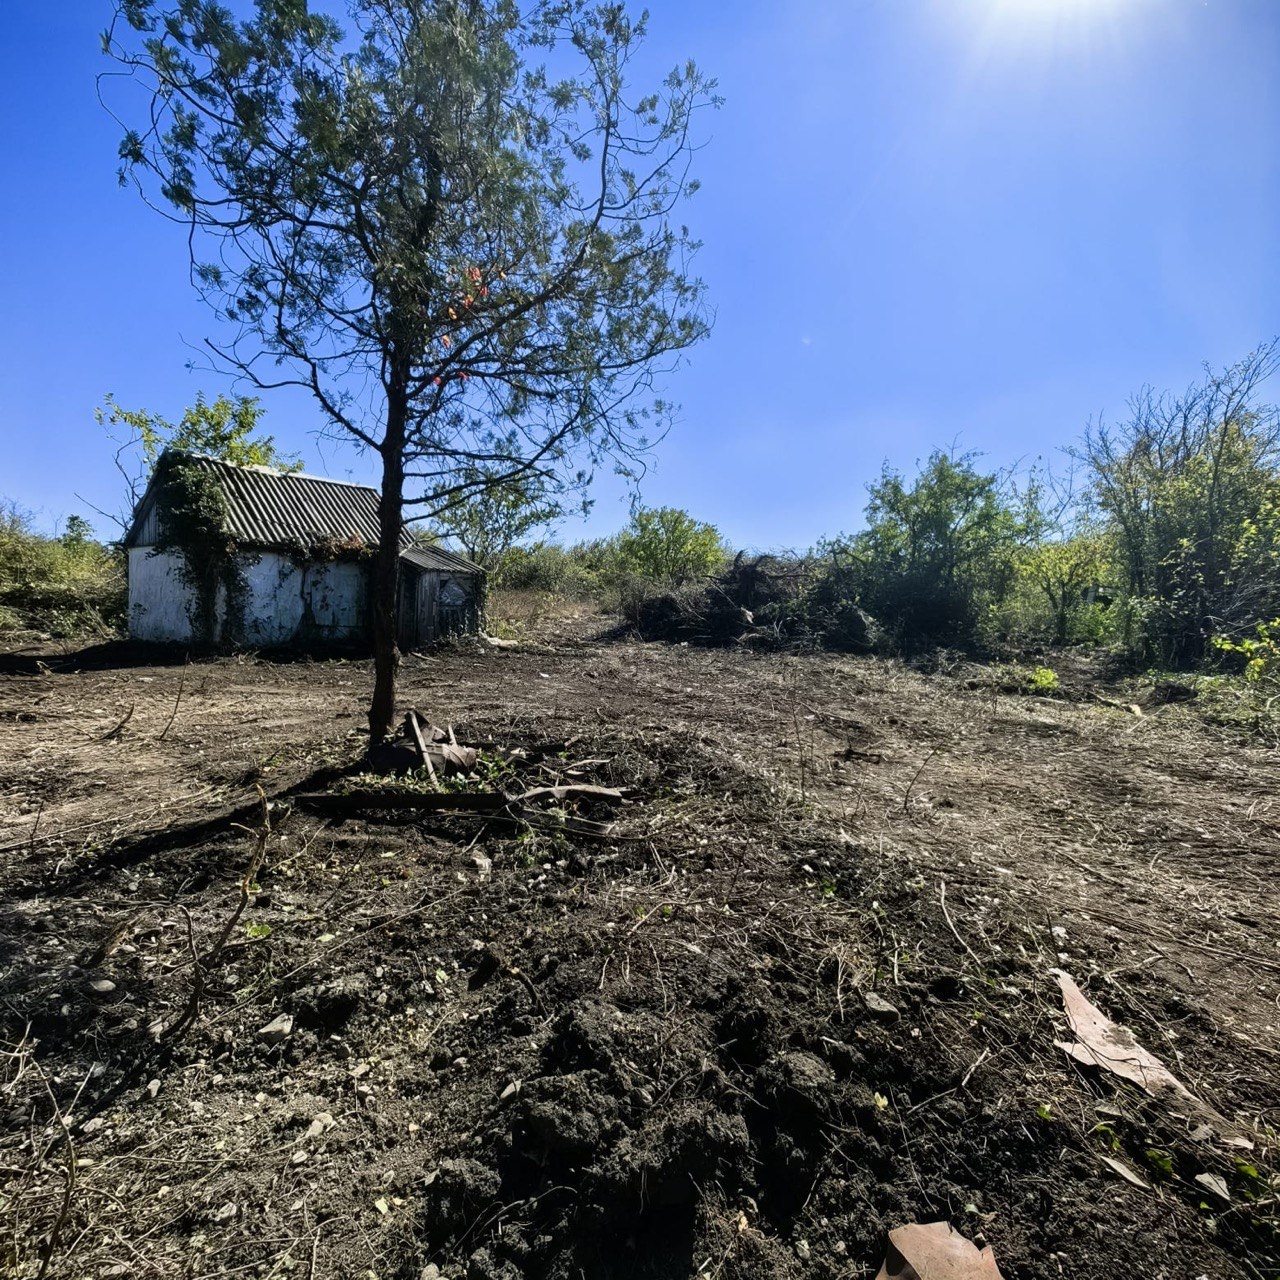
(193, 525)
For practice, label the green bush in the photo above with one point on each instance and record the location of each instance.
(66, 585)
(586, 571)
(1190, 486)
(1043, 681)
(1093, 624)
(1260, 651)
(660, 549)
(665, 544)
(937, 556)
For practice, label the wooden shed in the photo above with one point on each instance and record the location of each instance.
(440, 595)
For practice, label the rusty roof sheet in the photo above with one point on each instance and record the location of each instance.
(287, 510)
(440, 559)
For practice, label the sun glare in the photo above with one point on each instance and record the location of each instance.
(1050, 27)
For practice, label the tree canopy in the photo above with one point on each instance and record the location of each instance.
(491, 521)
(940, 548)
(226, 429)
(451, 222)
(669, 545)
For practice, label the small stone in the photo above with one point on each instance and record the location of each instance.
(510, 1091)
(879, 1008)
(153, 1087)
(278, 1029)
(320, 1125)
(802, 1250)
(102, 986)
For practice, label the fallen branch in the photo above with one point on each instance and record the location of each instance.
(411, 718)
(348, 802)
(575, 791)
(493, 805)
(474, 801)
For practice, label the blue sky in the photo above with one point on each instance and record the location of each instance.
(925, 221)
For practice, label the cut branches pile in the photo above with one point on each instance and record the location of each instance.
(440, 775)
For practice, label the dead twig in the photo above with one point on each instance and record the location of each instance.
(35, 826)
(906, 799)
(108, 944)
(68, 1191)
(946, 915)
(117, 730)
(1093, 871)
(182, 680)
(412, 717)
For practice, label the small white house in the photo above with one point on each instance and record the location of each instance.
(286, 562)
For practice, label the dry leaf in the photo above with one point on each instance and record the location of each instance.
(1129, 1175)
(1214, 1183)
(1104, 1044)
(936, 1252)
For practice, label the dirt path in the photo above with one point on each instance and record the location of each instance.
(804, 998)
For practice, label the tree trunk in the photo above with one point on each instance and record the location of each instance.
(386, 581)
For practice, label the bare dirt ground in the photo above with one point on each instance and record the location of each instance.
(803, 996)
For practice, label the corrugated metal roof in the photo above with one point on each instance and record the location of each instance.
(438, 558)
(286, 509)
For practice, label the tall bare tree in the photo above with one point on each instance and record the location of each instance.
(452, 223)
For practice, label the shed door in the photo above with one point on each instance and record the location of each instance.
(454, 608)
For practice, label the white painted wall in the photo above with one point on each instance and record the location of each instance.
(158, 599)
(286, 602)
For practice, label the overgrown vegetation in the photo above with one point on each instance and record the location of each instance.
(1162, 547)
(193, 525)
(1190, 488)
(226, 428)
(67, 584)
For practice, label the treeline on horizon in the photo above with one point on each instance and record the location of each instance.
(1162, 542)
